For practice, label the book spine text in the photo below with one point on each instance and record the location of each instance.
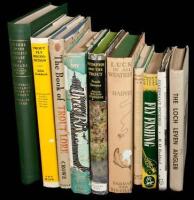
(150, 126)
(58, 81)
(77, 115)
(120, 124)
(98, 123)
(44, 103)
(25, 108)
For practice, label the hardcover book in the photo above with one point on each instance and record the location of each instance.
(120, 63)
(141, 64)
(44, 98)
(163, 120)
(98, 110)
(179, 66)
(150, 125)
(20, 31)
(57, 48)
(77, 112)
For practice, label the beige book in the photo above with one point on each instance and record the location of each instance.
(56, 49)
(178, 116)
(143, 61)
(120, 115)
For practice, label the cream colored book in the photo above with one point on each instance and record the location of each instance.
(139, 68)
(120, 65)
(179, 66)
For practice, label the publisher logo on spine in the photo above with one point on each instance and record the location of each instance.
(149, 181)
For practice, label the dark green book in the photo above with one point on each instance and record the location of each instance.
(150, 124)
(20, 31)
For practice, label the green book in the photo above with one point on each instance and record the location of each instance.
(102, 47)
(20, 31)
(126, 46)
(150, 124)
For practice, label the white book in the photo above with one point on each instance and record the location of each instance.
(162, 121)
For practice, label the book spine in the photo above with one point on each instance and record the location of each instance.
(177, 131)
(56, 48)
(162, 131)
(77, 115)
(44, 103)
(150, 126)
(138, 124)
(23, 86)
(120, 127)
(98, 122)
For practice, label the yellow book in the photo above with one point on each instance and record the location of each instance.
(44, 104)
(44, 97)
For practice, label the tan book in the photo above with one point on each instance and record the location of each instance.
(178, 116)
(56, 49)
(143, 61)
(120, 112)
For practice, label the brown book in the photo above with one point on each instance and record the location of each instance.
(120, 112)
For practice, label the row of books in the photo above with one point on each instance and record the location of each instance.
(111, 111)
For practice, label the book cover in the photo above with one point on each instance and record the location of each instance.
(97, 95)
(57, 70)
(45, 115)
(120, 65)
(163, 135)
(57, 49)
(20, 31)
(179, 65)
(142, 63)
(77, 113)
(44, 98)
(150, 125)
